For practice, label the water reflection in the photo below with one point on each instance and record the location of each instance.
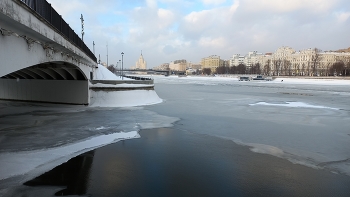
(170, 162)
(74, 175)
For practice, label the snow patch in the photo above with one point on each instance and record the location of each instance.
(33, 163)
(124, 98)
(266, 149)
(102, 73)
(293, 104)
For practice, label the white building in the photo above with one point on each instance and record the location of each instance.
(248, 60)
(141, 63)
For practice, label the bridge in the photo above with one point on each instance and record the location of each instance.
(42, 58)
(165, 72)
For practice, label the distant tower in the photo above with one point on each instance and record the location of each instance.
(141, 63)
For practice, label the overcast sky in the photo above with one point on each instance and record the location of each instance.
(167, 30)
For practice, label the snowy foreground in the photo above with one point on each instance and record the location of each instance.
(51, 144)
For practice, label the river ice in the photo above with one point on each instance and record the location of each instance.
(306, 121)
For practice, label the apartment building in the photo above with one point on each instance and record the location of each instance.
(212, 62)
(164, 66)
(309, 62)
(248, 60)
(178, 65)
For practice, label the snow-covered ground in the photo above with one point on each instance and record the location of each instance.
(102, 73)
(127, 98)
(124, 98)
(208, 80)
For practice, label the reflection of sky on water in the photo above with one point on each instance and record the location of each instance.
(37, 137)
(165, 163)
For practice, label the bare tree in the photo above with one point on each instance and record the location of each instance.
(277, 66)
(297, 68)
(286, 67)
(315, 60)
(256, 68)
(346, 62)
(337, 68)
(222, 69)
(206, 71)
(241, 69)
(308, 68)
(267, 67)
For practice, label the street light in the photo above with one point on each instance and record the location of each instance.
(122, 66)
(82, 27)
(119, 66)
(93, 46)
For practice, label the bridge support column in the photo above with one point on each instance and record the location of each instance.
(50, 91)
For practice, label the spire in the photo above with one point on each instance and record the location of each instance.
(141, 52)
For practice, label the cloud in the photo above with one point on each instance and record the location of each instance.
(167, 30)
(343, 16)
(169, 50)
(213, 2)
(151, 3)
(212, 42)
(289, 5)
(165, 18)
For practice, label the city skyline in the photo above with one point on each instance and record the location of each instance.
(167, 30)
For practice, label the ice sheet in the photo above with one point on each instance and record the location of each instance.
(124, 98)
(293, 104)
(20, 163)
(305, 121)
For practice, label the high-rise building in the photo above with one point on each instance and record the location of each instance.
(141, 63)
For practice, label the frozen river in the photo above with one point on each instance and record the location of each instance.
(304, 122)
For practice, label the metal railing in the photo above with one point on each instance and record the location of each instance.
(45, 10)
(138, 78)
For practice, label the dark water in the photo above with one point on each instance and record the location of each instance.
(171, 162)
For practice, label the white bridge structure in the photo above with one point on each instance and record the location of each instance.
(41, 58)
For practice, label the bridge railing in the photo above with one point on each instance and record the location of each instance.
(138, 78)
(45, 10)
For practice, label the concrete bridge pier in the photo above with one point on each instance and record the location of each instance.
(40, 61)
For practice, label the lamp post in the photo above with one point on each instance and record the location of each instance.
(82, 27)
(107, 54)
(119, 66)
(122, 66)
(93, 46)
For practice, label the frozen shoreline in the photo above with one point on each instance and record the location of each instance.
(34, 163)
(30, 164)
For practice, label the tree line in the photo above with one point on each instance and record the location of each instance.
(284, 67)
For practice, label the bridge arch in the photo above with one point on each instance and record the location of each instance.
(40, 61)
(49, 71)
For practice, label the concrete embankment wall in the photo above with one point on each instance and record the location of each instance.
(51, 91)
(115, 82)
